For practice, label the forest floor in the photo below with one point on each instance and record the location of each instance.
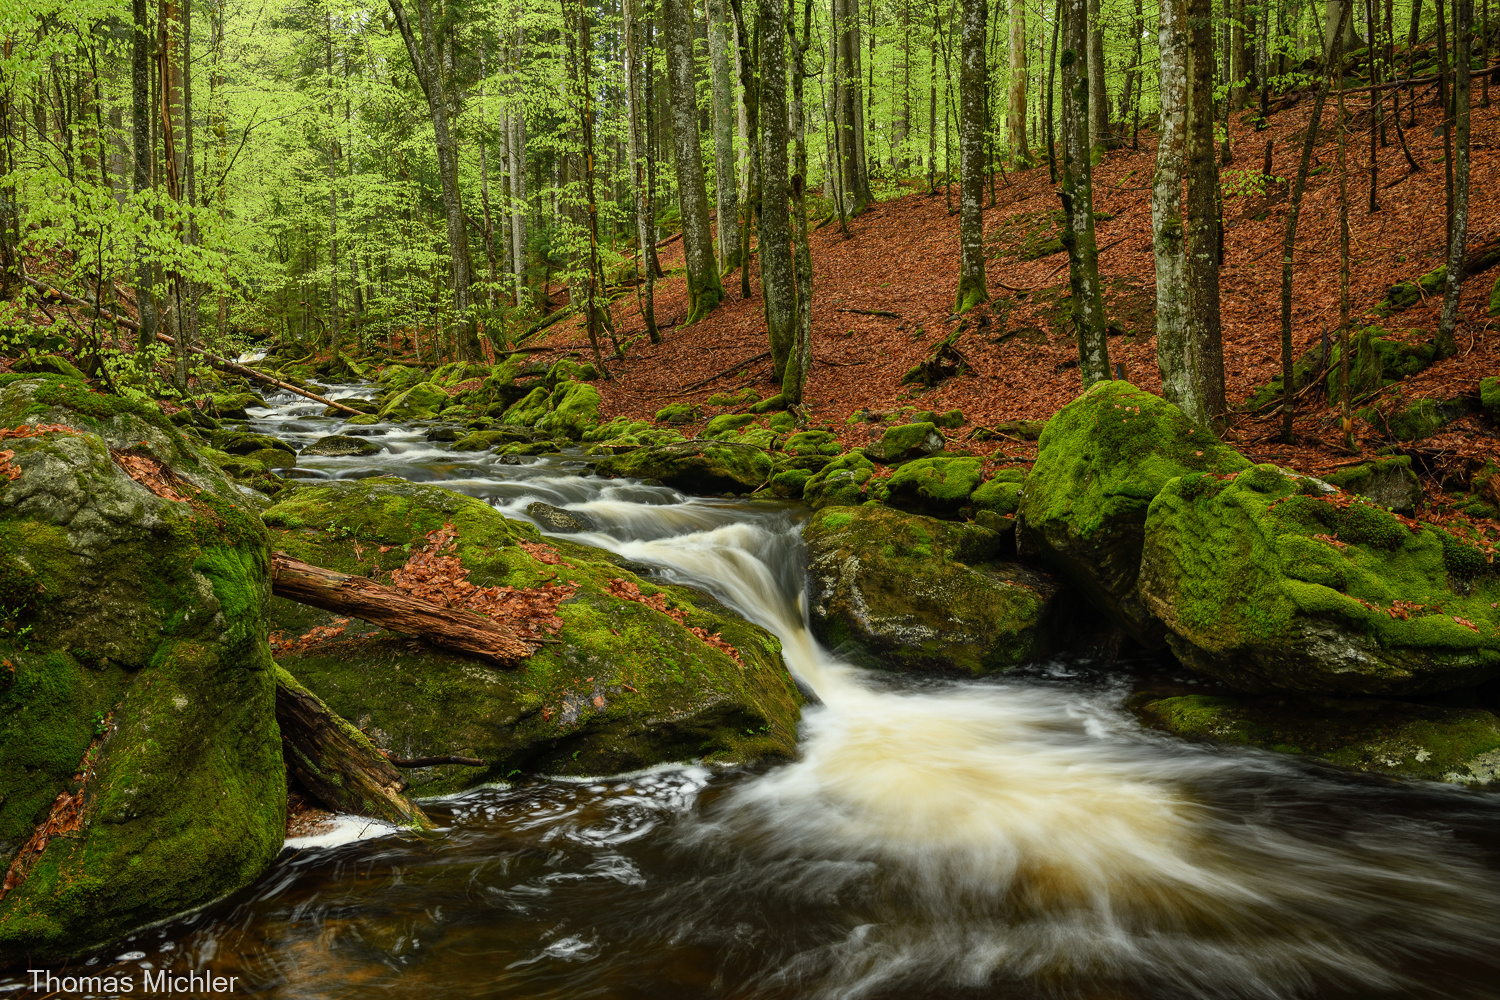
(901, 257)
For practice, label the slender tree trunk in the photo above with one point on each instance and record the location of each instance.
(1332, 69)
(726, 196)
(972, 92)
(1178, 364)
(1078, 199)
(1374, 54)
(1050, 117)
(704, 288)
(334, 334)
(1202, 230)
(799, 360)
(777, 274)
(1237, 56)
(140, 122)
(1463, 28)
(1099, 132)
(747, 44)
(596, 314)
(640, 190)
(1342, 165)
(517, 146)
(932, 90)
(428, 71)
(1018, 81)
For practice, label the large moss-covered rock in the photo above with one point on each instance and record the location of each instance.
(136, 693)
(246, 443)
(423, 401)
(932, 485)
(923, 594)
(1267, 581)
(626, 685)
(1377, 358)
(233, 405)
(1458, 745)
(843, 482)
(341, 445)
(1388, 482)
(570, 409)
(695, 466)
(1103, 457)
(906, 441)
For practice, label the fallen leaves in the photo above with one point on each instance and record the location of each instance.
(66, 816)
(150, 473)
(9, 471)
(627, 591)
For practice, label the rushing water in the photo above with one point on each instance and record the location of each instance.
(1016, 837)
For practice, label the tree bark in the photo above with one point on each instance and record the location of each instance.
(140, 121)
(640, 189)
(799, 361)
(357, 597)
(777, 275)
(1077, 197)
(517, 150)
(972, 92)
(428, 71)
(1463, 27)
(1177, 364)
(1018, 81)
(1204, 330)
(1098, 110)
(704, 287)
(725, 195)
(336, 763)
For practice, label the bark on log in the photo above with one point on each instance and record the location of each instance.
(355, 596)
(336, 763)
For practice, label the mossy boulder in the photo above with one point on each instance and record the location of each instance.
(1376, 359)
(1418, 419)
(1431, 742)
(233, 405)
(340, 446)
(726, 424)
(1271, 581)
(812, 443)
(1405, 294)
(626, 685)
(789, 484)
(1306, 369)
(923, 594)
(679, 413)
(1102, 459)
(950, 419)
(136, 680)
(695, 466)
(906, 441)
(843, 482)
(246, 443)
(50, 364)
(399, 377)
(568, 370)
(569, 410)
(423, 401)
(1001, 493)
(931, 485)
(1489, 397)
(1388, 482)
(498, 436)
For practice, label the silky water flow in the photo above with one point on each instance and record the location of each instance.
(1018, 836)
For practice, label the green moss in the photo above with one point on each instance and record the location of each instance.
(696, 466)
(1001, 494)
(906, 441)
(1384, 737)
(812, 443)
(679, 413)
(726, 424)
(1376, 359)
(573, 409)
(932, 485)
(790, 483)
(1489, 396)
(951, 419)
(843, 482)
(422, 401)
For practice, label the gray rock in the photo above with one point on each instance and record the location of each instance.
(556, 519)
(337, 445)
(1388, 482)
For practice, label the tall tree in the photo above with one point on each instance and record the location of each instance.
(1463, 29)
(429, 73)
(846, 111)
(1077, 195)
(720, 36)
(777, 277)
(640, 190)
(799, 359)
(1099, 133)
(1018, 81)
(704, 287)
(140, 120)
(1177, 363)
(1204, 332)
(973, 95)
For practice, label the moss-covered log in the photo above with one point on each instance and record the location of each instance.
(357, 597)
(336, 763)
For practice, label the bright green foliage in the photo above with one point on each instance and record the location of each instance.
(843, 482)
(628, 686)
(932, 485)
(1458, 745)
(1103, 458)
(922, 594)
(1266, 581)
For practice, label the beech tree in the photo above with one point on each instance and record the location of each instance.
(1463, 30)
(972, 90)
(1174, 356)
(705, 290)
(1077, 195)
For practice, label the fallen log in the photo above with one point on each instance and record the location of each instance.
(435, 761)
(233, 366)
(336, 763)
(357, 597)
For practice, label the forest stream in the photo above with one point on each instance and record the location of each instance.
(1019, 836)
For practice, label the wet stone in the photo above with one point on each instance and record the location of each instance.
(556, 519)
(337, 445)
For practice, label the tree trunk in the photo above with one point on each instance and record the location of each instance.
(428, 71)
(1335, 13)
(1049, 119)
(1178, 364)
(1098, 109)
(972, 92)
(640, 190)
(704, 288)
(1017, 121)
(1463, 27)
(1077, 197)
(1204, 337)
(799, 361)
(336, 763)
(140, 122)
(745, 46)
(334, 334)
(357, 597)
(517, 147)
(1332, 68)
(725, 195)
(777, 277)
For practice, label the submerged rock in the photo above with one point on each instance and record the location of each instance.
(1458, 745)
(1266, 581)
(923, 594)
(634, 679)
(136, 700)
(1103, 457)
